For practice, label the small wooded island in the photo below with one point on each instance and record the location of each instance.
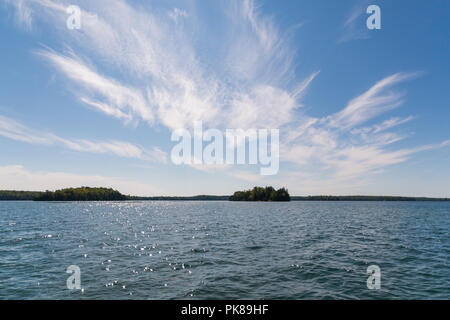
(261, 194)
(82, 194)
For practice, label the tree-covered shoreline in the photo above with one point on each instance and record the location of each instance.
(13, 195)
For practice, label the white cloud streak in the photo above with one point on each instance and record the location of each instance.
(354, 27)
(12, 129)
(371, 103)
(23, 13)
(121, 102)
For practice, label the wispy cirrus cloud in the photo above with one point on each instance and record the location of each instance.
(352, 162)
(371, 103)
(117, 100)
(23, 13)
(385, 125)
(12, 129)
(170, 83)
(354, 27)
(341, 147)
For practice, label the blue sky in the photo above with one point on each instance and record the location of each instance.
(359, 111)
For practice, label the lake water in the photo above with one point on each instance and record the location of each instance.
(225, 250)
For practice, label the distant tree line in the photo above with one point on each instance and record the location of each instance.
(365, 198)
(82, 194)
(18, 195)
(261, 194)
(189, 198)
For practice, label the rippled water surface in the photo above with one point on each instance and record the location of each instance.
(223, 250)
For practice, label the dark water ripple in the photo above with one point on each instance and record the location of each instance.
(222, 250)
